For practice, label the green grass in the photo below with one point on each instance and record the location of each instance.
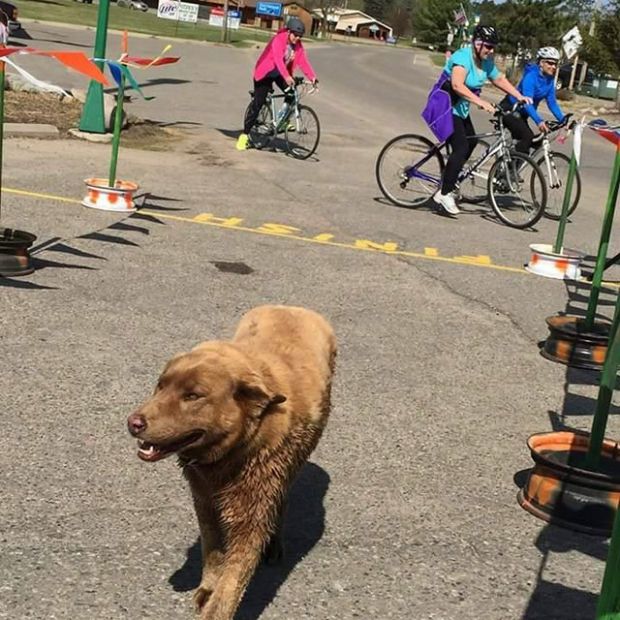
(72, 12)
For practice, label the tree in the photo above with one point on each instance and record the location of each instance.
(398, 15)
(526, 23)
(431, 17)
(325, 9)
(377, 8)
(601, 50)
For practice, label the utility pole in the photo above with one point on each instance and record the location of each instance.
(225, 24)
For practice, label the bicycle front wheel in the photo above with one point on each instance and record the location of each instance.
(302, 133)
(409, 170)
(556, 175)
(261, 132)
(517, 190)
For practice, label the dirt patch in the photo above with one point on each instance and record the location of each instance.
(149, 136)
(24, 107)
(64, 113)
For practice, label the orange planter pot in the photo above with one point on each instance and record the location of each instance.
(560, 491)
(14, 252)
(118, 198)
(570, 343)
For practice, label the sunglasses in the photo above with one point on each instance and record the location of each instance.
(553, 63)
(488, 46)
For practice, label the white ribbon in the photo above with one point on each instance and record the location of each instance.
(46, 86)
(577, 141)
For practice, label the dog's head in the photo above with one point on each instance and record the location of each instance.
(207, 402)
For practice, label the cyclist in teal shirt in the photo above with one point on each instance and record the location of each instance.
(468, 70)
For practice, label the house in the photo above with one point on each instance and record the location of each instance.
(355, 23)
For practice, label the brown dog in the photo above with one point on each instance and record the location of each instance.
(243, 417)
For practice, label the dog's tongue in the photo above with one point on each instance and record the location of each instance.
(149, 452)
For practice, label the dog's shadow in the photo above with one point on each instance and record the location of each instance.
(305, 523)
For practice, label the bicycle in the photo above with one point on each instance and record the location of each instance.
(554, 166)
(299, 123)
(412, 180)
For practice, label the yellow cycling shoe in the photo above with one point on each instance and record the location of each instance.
(242, 142)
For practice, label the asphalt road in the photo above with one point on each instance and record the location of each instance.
(408, 509)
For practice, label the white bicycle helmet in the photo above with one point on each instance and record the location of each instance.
(548, 53)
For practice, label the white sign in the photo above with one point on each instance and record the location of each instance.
(188, 12)
(178, 11)
(571, 42)
(216, 18)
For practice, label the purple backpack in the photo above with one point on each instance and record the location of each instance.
(438, 110)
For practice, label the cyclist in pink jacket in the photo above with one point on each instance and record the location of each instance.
(283, 54)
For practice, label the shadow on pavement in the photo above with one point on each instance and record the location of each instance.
(550, 600)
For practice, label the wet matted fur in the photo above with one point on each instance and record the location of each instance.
(242, 416)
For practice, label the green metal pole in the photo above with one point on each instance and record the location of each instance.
(559, 240)
(608, 606)
(93, 116)
(118, 123)
(605, 394)
(601, 257)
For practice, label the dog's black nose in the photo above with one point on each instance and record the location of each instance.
(136, 423)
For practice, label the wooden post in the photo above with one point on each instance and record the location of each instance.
(225, 24)
(573, 72)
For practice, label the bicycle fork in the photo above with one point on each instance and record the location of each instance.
(552, 170)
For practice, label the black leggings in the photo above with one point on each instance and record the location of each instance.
(261, 90)
(520, 131)
(462, 147)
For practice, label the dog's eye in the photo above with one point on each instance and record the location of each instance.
(191, 396)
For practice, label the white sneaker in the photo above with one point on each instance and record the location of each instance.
(447, 202)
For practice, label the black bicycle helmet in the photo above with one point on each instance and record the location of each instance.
(296, 26)
(486, 34)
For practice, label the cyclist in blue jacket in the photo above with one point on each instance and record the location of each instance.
(538, 82)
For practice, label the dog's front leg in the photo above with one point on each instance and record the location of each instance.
(240, 562)
(211, 542)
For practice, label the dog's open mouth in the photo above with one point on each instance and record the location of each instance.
(154, 452)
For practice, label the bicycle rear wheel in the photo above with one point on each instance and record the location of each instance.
(556, 178)
(302, 133)
(517, 190)
(473, 188)
(399, 158)
(261, 132)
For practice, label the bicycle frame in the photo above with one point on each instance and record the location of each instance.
(293, 108)
(499, 146)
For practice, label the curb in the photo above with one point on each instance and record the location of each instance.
(30, 130)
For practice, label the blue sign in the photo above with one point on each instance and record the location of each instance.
(234, 14)
(272, 9)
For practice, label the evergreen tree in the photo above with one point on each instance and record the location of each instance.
(376, 8)
(431, 18)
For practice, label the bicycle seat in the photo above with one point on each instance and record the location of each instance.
(538, 138)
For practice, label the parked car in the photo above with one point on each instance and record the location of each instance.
(565, 71)
(10, 10)
(135, 5)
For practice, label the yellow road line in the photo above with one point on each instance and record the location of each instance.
(323, 239)
(350, 246)
(22, 192)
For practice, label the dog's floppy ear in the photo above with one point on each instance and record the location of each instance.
(255, 397)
